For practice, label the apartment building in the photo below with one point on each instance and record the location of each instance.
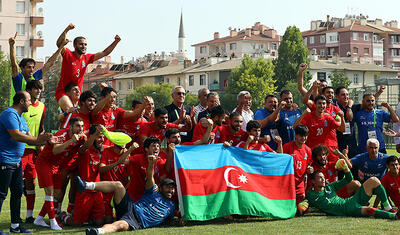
(22, 16)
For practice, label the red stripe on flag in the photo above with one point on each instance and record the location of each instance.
(201, 182)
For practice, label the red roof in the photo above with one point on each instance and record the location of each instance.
(355, 27)
(241, 36)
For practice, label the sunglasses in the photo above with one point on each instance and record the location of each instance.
(181, 93)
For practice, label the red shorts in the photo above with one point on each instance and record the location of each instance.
(48, 174)
(70, 164)
(28, 164)
(107, 197)
(300, 194)
(88, 206)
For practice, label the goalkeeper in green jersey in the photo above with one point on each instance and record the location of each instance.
(324, 196)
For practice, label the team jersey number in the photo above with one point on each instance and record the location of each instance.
(320, 131)
(299, 165)
(78, 73)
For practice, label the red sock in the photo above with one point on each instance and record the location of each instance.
(30, 200)
(50, 209)
(70, 208)
(43, 211)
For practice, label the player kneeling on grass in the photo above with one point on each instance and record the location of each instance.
(153, 208)
(324, 197)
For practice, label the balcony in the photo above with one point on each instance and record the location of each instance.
(214, 86)
(37, 42)
(37, 20)
(394, 44)
(37, 0)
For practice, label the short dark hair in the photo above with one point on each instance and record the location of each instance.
(326, 88)
(212, 94)
(86, 95)
(367, 94)
(301, 130)
(92, 129)
(34, 84)
(135, 102)
(20, 95)
(69, 86)
(322, 80)
(150, 141)
(25, 61)
(234, 114)
(318, 150)
(160, 111)
(217, 111)
(269, 96)
(171, 131)
(391, 158)
(314, 174)
(73, 120)
(78, 38)
(320, 97)
(106, 91)
(252, 124)
(285, 92)
(337, 91)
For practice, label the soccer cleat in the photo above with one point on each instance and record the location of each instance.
(40, 222)
(393, 210)
(29, 220)
(19, 229)
(80, 184)
(92, 231)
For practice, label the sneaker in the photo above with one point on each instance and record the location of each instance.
(19, 229)
(392, 210)
(80, 184)
(40, 222)
(29, 220)
(92, 231)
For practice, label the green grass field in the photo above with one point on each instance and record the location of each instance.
(311, 223)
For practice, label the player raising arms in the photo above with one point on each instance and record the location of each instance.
(74, 64)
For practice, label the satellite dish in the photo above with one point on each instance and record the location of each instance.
(39, 34)
(348, 53)
(40, 11)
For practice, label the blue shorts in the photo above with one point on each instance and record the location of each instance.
(126, 211)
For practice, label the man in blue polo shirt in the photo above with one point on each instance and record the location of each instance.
(153, 208)
(14, 133)
(370, 122)
(287, 116)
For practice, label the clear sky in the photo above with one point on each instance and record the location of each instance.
(148, 26)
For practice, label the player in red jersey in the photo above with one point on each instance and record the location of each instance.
(73, 92)
(138, 168)
(114, 167)
(74, 64)
(253, 136)
(391, 180)
(47, 165)
(232, 132)
(301, 159)
(131, 126)
(108, 115)
(160, 125)
(217, 116)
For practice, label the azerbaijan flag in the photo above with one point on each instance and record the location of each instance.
(214, 181)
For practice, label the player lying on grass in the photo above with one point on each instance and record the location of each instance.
(324, 197)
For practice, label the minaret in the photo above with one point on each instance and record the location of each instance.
(181, 55)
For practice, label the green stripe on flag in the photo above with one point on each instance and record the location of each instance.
(236, 202)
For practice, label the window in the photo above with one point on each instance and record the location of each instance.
(179, 81)
(305, 41)
(0, 23)
(130, 85)
(191, 80)
(253, 46)
(158, 79)
(119, 85)
(355, 50)
(366, 37)
(312, 40)
(20, 51)
(21, 29)
(322, 52)
(1, 5)
(232, 46)
(366, 51)
(322, 39)
(273, 46)
(355, 36)
(260, 46)
(334, 38)
(321, 76)
(20, 7)
(202, 79)
(203, 50)
(168, 80)
(375, 38)
(355, 78)
(313, 51)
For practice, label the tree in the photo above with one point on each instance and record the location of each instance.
(52, 77)
(291, 53)
(254, 76)
(5, 82)
(338, 78)
(297, 98)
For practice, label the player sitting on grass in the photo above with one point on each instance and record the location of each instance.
(324, 197)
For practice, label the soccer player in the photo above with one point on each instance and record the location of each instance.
(391, 180)
(14, 134)
(324, 196)
(27, 66)
(231, 133)
(131, 126)
(73, 92)
(217, 115)
(300, 83)
(47, 167)
(287, 116)
(253, 136)
(34, 119)
(212, 101)
(370, 122)
(74, 64)
(301, 158)
(151, 210)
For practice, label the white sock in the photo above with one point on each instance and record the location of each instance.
(29, 213)
(39, 217)
(90, 185)
(49, 198)
(53, 222)
(14, 225)
(100, 230)
(388, 208)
